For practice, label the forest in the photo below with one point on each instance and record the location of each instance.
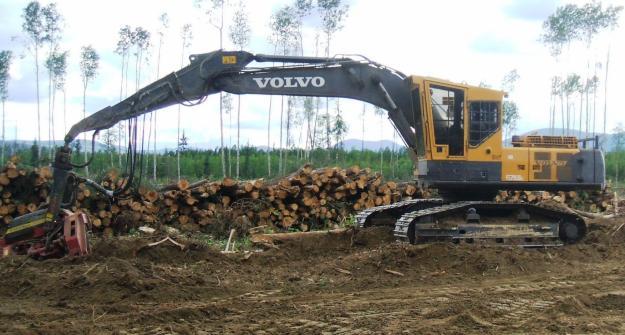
(311, 130)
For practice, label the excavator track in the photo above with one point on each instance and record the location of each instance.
(519, 224)
(387, 215)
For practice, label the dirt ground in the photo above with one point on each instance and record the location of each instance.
(344, 283)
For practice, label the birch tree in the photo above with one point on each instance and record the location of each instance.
(52, 26)
(124, 44)
(510, 110)
(332, 12)
(380, 112)
(214, 9)
(33, 27)
(164, 25)
(57, 68)
(240, 32)
(187, 37)
(6, 57)
(141, 41)
(282, 24)
(89, 62)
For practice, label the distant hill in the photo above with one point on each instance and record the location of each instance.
(356, 144)
(27, 144)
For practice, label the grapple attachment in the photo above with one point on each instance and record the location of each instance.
(36, 236)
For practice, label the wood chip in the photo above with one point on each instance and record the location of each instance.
(343, 271)
(394, 272)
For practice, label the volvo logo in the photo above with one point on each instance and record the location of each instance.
(289, 82)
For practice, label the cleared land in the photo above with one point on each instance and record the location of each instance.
(347, 283)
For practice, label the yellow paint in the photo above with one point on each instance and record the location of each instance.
(228, 59)
(518, 164)
(31, 224)
(514, 164)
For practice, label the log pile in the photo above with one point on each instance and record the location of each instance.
(308, 198)
(22, 191)
(592, 202)
(304, 200)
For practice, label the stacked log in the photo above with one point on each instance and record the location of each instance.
(594, 202)
(22, 191)
(306, 199)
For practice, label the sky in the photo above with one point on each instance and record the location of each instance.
(463, 41)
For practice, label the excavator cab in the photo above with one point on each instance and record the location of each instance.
(463, 154)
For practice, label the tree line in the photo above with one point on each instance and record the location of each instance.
(306, 122)
(569, 27)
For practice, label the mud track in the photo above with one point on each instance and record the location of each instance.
(348, 283)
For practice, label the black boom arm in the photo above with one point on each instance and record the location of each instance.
(229, 71)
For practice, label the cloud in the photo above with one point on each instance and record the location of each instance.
(489, 44)
(531, 10)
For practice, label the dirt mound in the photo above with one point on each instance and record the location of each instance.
(353, 281)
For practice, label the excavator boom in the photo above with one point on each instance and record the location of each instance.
(452, 133)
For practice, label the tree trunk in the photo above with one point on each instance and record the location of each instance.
(280, 171)
(238, 134)
(3, 133)
(84, 115)
(393, 153)
(562, 112)
(587, 126)
(178, 145)
(362, 140)
(269, 139)
(230, 142)
(381, 146)
(50, 114)
(158, 74)
(64, 112)
(605, 94)
(568, 115)
(581, 105)
(38, 102)
(221, 133)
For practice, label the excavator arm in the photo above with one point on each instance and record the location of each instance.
(228, 71)
(231, 71)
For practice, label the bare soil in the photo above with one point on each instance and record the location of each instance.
(347, 283)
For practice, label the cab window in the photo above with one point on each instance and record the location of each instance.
(483, 121)
(447, 112)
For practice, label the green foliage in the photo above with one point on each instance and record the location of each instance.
(125, 40)
(52, 20)
(571, 22)
(332, 14)
(89, 61)
(615, 165)
(34, 154)
(240, 28)
(33, 24)
(199, 164)
(5, 64)
(57, 65)
(510, 116)
(283, 24)
(619, 137)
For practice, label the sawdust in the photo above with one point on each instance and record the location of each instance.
(445, 288)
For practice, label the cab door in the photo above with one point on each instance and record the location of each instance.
(446, 109)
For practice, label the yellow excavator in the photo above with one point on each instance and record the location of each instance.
(453, 133)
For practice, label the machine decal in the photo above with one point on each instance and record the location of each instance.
(514, 177)
(279, 82)
(228, 59)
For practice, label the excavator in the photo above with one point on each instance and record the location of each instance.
(453, 133)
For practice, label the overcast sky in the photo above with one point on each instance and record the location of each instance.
(465, 41)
